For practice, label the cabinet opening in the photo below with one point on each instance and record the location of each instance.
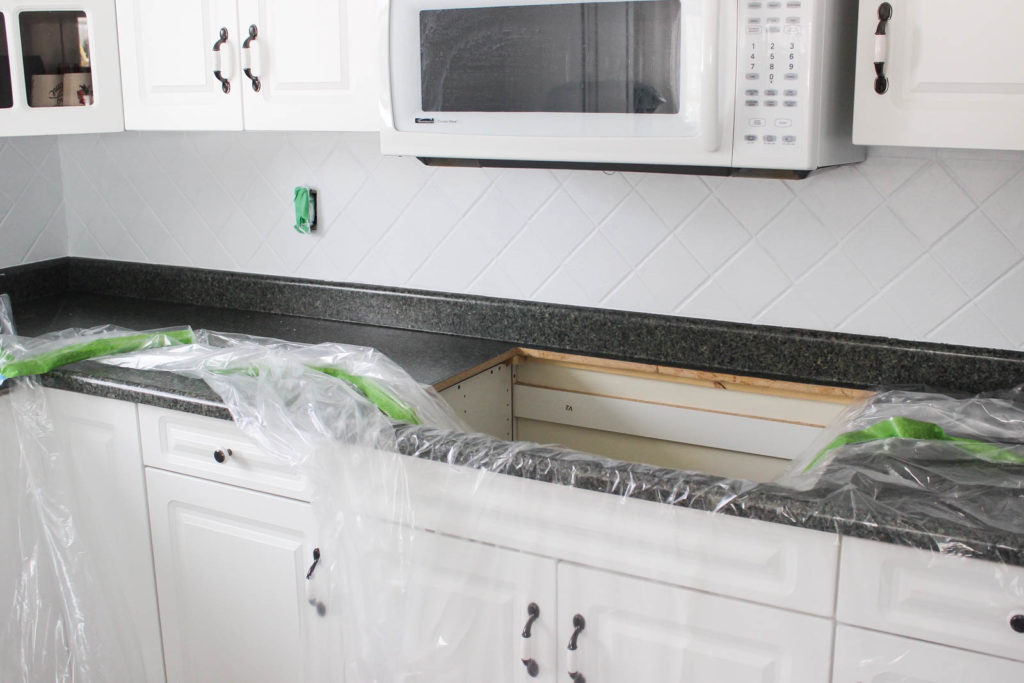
(56, 53)
(6, 94)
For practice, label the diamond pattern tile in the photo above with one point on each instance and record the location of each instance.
(913, 243)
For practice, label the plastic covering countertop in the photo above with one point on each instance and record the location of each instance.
(62, 625)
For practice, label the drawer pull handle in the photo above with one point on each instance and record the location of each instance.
(533, 611)
(1017, 623)
(578, 623)
(222, 454)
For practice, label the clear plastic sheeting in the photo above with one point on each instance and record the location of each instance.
(449, 556)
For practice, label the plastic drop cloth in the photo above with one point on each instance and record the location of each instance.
(436, 566)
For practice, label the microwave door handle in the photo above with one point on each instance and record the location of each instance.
(709, 118)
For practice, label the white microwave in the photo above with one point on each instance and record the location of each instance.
(710, 86)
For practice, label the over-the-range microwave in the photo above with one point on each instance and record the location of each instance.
(763, 87)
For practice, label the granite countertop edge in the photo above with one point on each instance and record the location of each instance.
(693, 490)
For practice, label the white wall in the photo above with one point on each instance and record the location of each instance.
(32, 223)
(914, 244)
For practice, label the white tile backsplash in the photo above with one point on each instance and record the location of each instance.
(917, 244)
(33, 224)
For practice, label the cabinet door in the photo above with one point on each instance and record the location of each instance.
(955, 77)
(100, 440)
(230, 570)
(59, 69)
(870, 657)
(465, 608)
(316, 61)
(169, 65)
(637, 630)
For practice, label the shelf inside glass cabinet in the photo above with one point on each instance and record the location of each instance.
(56, 53)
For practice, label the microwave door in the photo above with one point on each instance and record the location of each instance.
(627, 74)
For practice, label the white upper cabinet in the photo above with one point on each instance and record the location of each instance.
(952, 74)
(315, 62)
(169, 64)
(254, 64)
(58, 67)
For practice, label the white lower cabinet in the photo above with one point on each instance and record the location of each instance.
(637, 630)
(869, 657)
(101, 487)
(231, 570)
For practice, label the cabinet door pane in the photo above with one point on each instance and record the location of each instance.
(57, 56)
(317, 64)
(6, 92)
(637, 630)
(170, 67)
(230, 568)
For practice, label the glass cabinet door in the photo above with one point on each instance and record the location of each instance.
(6, 92)
(59, 71)
(56, 53)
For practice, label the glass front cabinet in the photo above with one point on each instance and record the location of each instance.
(59, 69)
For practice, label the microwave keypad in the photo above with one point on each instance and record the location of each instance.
(774, 38)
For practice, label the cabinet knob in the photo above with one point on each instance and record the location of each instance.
(222, 454)
(578, 624)
(532, 612)
(1017, 623)
(250, 60)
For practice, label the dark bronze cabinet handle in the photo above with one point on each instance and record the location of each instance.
(578, 623)
(247, 61)
(882, 48)
(532, 612)
(1017, 623)
(222, 454)
(225, 84)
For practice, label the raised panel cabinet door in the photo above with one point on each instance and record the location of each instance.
(871, 657)
(637, 630)
(173, 78)
(314, 64)
(954, 77)
(464, 610)
(231, 569)
(99, 439)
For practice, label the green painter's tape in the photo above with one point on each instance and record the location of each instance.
(109, 346)
(906, 428)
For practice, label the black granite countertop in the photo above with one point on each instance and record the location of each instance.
(428, 350)
(430, 358)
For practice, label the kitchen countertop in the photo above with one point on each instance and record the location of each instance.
(432, 358)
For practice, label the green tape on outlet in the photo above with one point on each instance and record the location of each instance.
(305, 210)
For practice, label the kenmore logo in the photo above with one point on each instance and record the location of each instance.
(419, 120)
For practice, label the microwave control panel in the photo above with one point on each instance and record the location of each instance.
(773, 98)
